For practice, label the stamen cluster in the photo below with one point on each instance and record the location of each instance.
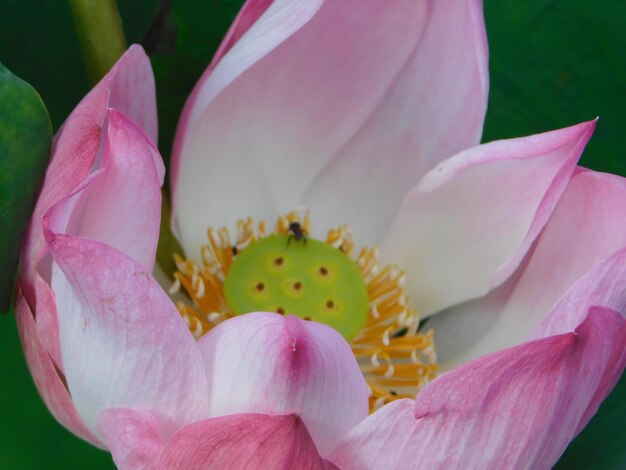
(395, 356)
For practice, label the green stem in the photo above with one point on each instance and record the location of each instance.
(99, 28)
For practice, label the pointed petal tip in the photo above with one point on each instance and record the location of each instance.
(120, 122)
(479, 212)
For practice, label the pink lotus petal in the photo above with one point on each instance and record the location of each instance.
(47, 380)
(351, 98)
(605, 285)
(120, 204)
(475, 215)
(129, 87)
(434, 109)
(270, 29)
(47, 323)
(586, 240)
(517, 408)
(47, 289)
(250, 12)
(123, 343)
(580, 252)
(266, 363)
(243, 441)
(132, 436)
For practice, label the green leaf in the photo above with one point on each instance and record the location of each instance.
(25, 140)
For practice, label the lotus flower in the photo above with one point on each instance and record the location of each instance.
(369, 114)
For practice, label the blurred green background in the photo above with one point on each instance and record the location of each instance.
(553, 63)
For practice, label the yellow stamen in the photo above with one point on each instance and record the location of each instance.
(395, 358)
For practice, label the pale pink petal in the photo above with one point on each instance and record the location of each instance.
(129, 87)
(603, 286)
(517, 408)
(46, 289)
(123, 342)
(586, 240)
(132, 90)
(343, 115)
(47, 380)
(273, 26)
(132, 437)
(475, 215)
(250, 12)
(581, 252)
(120, 204)
(243, 441)
(267, 363)
(434, 109)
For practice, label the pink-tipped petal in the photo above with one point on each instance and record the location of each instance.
(44, 288)
(132, 90)
(132, 437)
(243, 441)
(583, 246)
(358, 100)
(476, 215)
(602, 288)
(120, 204)
(129, 87)
(47, 320)
(44, 374)
(434, 109)
(277, 22)
(123, 343)
(605, 286)
(517, 408)
(581, 252)
(266, 363)
(250, 12)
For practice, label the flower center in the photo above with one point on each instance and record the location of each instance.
(308, 278)
(288, 272)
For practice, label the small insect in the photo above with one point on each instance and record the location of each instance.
(297, 232)
(235, 250)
